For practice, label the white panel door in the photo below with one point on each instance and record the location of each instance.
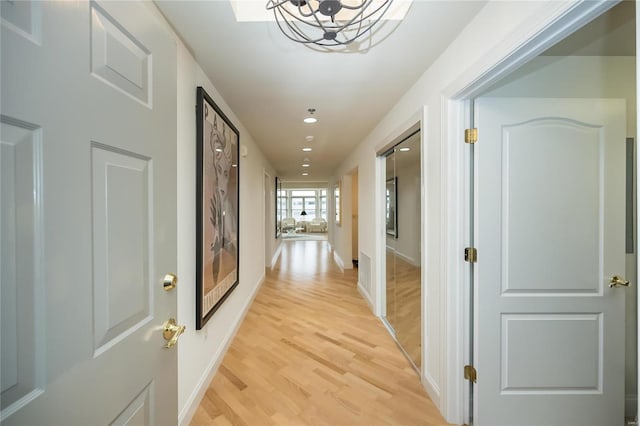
(550, 235)
(88, 193)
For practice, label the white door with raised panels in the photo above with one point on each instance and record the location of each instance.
(549, 340)
(88, 193)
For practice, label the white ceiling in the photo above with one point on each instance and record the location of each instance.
(269, 81)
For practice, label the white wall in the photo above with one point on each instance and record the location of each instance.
(340, 235)
(200, 352)
(498, 29)
(407, 245)
(588, 77)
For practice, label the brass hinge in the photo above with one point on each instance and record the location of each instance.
(470, 373)
(471, 135)
(470, 255)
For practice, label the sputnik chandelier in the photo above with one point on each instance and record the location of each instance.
(327, 22)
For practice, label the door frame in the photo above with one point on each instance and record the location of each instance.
(524, 45)
(418, 121)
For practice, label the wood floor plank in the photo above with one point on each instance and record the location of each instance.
(310, 352)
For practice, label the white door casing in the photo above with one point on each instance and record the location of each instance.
(88, 196)
(549, 332)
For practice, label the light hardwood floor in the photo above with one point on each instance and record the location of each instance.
(310, 352)
(404, 305)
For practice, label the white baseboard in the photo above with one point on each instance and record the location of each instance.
(193, 402)
(275, 256)
(338, 260)
(432, 389)
(365, 295)
(407, 259)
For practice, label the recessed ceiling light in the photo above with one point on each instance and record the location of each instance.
(218, 150)
(308, 138)
(310, 119)
(305, 174)
(234, 165)
(405, 149)
(305, 165)
(307, 149)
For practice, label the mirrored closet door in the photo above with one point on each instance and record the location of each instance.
(403, 246)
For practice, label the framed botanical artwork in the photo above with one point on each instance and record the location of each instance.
(217, 207)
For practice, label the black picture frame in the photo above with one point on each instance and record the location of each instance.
(629, 198)
(217, 207)
(391, 203)
(337, 202)
(278, 198)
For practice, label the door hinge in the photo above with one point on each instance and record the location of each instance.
(471, 135)
(470, 373)
(470, 255)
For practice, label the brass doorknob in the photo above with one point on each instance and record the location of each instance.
(617, 281)
(171, 332)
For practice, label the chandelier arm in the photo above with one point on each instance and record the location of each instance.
(320, 24)
(283, 10)
(359, 17)
(358, 35)
(344, 32)
(386, 5)
(307, 23)
(342, 47)
(272, 4)
(308, 14)
(281, 4)
(295, 30)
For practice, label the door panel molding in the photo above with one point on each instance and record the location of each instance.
(22, 290)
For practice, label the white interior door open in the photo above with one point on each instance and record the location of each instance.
(88, 174)
(549, 330)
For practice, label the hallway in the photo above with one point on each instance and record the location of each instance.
(311, 352)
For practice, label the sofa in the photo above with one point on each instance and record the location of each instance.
(317, 224)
